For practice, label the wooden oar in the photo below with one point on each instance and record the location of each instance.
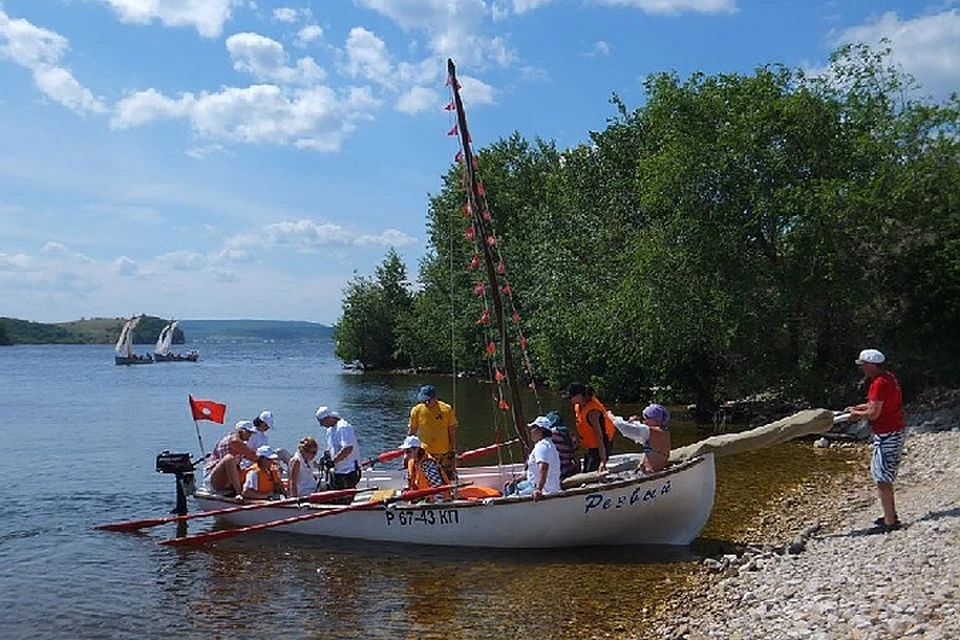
(134, 525)
(203, 538)
(474, 453)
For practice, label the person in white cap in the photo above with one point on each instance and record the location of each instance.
(543, 465)
(342, 447)
(263, 423)
(884, 410)
(423, 470)
(262, 480)
(223, 465)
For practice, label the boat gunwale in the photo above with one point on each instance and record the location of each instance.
(486, 502)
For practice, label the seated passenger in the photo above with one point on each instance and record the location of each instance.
(423, 470)
(303, 478)
(262, 480)
(652, 430)
(223, 465)
(543, 465)
(563, 441)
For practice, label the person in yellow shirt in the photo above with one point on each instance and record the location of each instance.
(435, 423)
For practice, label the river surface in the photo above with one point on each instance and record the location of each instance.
(80, 440)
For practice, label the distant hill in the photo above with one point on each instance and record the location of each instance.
(234, 330)
(106, 331)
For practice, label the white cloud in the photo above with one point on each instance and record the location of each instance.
(40, 51)
(454, 28)
(309, 235)
(15, 262)
(124, 266)
(308, 34)
(674, 7)
(183, 260)
(265, 59)
(285, 14)
(418, 99)
(601, 48)
(476, 92)
(206, 16)
(314, 118)
(927, 47)
(503, 8)
(367, 57)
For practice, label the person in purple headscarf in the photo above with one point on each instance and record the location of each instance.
(652, 430)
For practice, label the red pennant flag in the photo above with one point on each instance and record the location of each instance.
(466, 210)
(479, 289)
(453, 131)
(501, 268)
(449, 107)
(207, 410)
(491, 348)
(499, 376)
(491, 241)
(506, 290)
(504, 405)
(476, 165)
(475, 262)
(459, 157)
(523, 342)
(516, 316)
(470, 234)
(481, 190)
(486, 215)
(484, 317)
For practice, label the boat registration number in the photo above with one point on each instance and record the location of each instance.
(428, 517)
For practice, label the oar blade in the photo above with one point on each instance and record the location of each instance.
(202, 538)
(131, 525)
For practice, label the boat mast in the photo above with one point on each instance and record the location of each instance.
(484, 231)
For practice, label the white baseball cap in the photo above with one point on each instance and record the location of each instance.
(246, 425)
(541, 421)
(267, 417)
(410, 442)
(326, 412)
(266, 451)
(870, 356)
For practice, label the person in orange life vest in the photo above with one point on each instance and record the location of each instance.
(262, 480)
(423, 470)
(595, 431)
(652, 430)
(223, 466)
(884, 410)
(435, 423)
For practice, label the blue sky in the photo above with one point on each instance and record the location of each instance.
(238, 158)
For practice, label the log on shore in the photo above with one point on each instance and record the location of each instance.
(802, 423)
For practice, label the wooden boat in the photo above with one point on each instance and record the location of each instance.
(666, 508)
(161, 351)
(124, 348)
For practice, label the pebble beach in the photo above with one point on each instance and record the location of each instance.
(815, 568)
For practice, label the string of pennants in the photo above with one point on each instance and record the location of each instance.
(481, 232)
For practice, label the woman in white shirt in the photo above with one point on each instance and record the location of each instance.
(302, 480)
(543, 465)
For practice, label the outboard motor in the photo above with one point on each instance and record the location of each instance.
(182, 467)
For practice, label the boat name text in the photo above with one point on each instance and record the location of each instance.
(639, 495)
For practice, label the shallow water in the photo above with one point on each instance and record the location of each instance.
(81, 436)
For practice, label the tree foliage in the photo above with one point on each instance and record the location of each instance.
(736, 234)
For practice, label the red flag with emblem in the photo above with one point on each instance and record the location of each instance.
(207, 410)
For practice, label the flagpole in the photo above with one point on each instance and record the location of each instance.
(200, 440)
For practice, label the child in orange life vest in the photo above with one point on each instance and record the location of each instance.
(423, 471)
(262, 480)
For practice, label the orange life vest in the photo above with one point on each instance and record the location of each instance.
(268, 481)
(587, 437)
(418, 476)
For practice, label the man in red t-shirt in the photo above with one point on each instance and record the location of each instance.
(884, 410)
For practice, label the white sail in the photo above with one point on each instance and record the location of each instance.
(165, 340)
(122, 340)
(168, 339)
(158, 348)
(129, 336)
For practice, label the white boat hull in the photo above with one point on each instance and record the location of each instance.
(669, 508)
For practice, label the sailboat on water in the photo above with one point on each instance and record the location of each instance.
(124, 348)
(622, 507)
(162, 353)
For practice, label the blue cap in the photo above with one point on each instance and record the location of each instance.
(657, 412)
(426, 392)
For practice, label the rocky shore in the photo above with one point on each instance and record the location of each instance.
(813, 567)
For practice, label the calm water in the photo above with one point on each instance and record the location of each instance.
(80, 440)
